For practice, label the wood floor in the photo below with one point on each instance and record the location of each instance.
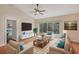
(75, 47)
(27, 40)
(7, 50)
(3, 49)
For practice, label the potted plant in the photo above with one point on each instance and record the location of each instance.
(35, 30)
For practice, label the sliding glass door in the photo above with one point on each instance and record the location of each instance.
(53, 27)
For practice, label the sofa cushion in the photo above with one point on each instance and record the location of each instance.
(59, 35)
(56, 50)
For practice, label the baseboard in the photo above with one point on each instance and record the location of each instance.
(2, 45)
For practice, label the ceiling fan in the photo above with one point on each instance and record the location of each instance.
(37, 10)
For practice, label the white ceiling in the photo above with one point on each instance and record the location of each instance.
(51, 9)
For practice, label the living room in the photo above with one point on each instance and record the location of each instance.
(27, 28)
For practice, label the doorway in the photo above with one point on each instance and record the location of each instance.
(11, 30)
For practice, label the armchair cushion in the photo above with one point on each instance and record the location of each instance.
(55, 50)
(14, 44)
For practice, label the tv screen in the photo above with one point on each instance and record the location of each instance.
(26, 26)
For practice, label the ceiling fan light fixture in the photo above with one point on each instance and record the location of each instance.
(37, 11)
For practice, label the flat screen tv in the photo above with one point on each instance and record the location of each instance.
(26, 26)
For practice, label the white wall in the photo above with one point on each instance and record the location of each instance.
(12, 13)
(2, 31)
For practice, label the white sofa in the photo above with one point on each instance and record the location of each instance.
(26, 34)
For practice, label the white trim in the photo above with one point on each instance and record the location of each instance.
(5, 41)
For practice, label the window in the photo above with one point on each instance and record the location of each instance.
(50, 27)
(45, 27)
(56, 28)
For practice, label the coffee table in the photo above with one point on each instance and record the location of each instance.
(40, 43)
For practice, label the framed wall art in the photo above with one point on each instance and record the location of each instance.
(70, 25)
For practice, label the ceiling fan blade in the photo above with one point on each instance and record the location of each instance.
(41, 10)
(35, 9)
(41, 13)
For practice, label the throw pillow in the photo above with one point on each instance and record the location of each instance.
(61, 44)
